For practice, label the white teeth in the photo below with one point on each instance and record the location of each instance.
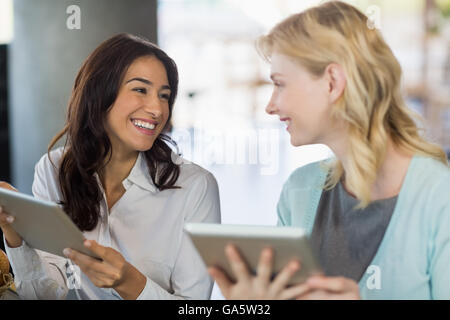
(144, 125)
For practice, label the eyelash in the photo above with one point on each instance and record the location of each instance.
(144, 91)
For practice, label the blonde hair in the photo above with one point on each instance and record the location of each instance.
(371, 105)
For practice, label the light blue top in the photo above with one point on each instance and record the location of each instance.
(413, 259)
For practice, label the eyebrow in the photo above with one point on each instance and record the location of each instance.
(148, 82)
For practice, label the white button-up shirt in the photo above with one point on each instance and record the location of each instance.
(145, 225)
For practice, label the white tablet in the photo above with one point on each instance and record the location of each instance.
(287, 243)
(42, 224)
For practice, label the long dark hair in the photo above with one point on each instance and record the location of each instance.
(87, 147)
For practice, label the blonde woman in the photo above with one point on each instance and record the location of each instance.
(378, 215)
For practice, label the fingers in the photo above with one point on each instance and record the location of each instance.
(237, 265)
(282, 279)
(98, 249)
(333, 284)
(295, 291)
(318, 294)
(5, 218)
(85, 262)
(221, 279)
(331, 288)
(264, 269)
(107, 273)
(6, 185)
(103, 280)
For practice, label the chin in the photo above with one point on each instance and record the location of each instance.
(298, 142)
(295, 142)
(143, 147)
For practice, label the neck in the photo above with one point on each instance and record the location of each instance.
(117, 169)
(391, 173)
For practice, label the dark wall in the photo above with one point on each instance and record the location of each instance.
(4, 128)
(44, 58)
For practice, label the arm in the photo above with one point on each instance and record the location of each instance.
(190, 279)
(189, 276)
(38, 275)
(440, 251)
(262, 286)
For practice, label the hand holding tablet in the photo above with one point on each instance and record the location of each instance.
(248, 255)
(42, 224)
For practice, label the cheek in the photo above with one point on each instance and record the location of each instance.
(111, 118)
(123, 108)
(292, 104)
(284, 101)
(312, 104)
(165, 114)
(116, 117)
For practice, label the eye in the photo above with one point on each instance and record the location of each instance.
(140, 90)
(165, 96)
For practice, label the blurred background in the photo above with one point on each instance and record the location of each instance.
(219, 120)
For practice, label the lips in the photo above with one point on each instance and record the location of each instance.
(287, 121)
(145, 120)
(144, 126)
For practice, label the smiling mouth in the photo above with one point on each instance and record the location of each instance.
(287, 121)
(143, 124)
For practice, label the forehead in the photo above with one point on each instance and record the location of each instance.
(150, 68)
(284, 65)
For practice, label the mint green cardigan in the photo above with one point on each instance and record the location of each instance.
(413, 259)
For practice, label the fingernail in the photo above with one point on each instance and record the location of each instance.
(87, 243)
(67, 252)
(10, 219)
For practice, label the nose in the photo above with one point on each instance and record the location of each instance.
(271, 107)
(154, 106)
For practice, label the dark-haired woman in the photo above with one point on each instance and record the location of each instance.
(122, 185)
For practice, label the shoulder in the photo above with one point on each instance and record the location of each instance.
(306, 181)
(301, 193)
(45, 183)
(309, 175)
(428, 181)
(192, 174)
(430, 171)
(50, 161)
(425, 197)
(200, 191)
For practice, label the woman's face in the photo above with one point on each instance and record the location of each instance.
(141, 109)
(301, 100)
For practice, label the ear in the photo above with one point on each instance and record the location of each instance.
(337, 81)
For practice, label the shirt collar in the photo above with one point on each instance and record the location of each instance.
(140, 176)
